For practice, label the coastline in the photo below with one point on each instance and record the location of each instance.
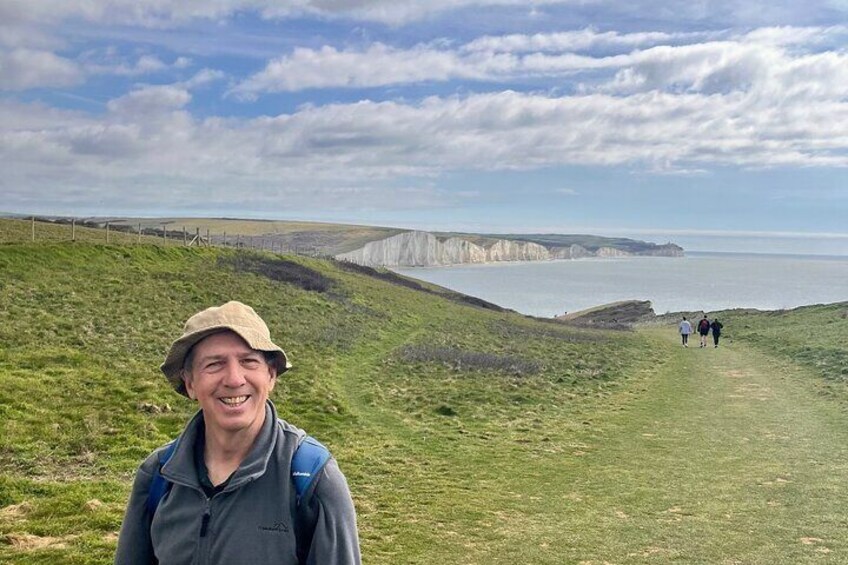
(697, 282)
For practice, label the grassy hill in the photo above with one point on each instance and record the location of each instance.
(814, 336)
(415, 391)
(468, 434)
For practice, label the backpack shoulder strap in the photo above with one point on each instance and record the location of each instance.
(307, 462)
(159, 485)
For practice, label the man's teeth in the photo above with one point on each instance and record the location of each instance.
(233, 400)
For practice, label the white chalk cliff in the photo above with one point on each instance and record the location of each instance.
(423, 249)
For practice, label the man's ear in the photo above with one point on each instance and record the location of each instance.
(189, 386)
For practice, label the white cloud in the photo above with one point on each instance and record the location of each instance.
(166, 12)
(149, 139)
(395, 12)
(755, 61)
(580, 40)
(111, 62)
(204, 77)
(721, 67)
(149, 101)
(21, 69)
(377, 66)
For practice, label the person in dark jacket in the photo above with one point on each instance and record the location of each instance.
(716, 328)
(231, 497)
(704, 330)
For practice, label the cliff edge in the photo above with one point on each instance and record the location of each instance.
(425, 249)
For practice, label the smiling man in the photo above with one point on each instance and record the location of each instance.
(239, 485)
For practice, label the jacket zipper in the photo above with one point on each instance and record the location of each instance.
(201, 555)
(207, 515)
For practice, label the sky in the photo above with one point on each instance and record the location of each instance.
(715, 124)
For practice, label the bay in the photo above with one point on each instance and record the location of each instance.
(699, 281)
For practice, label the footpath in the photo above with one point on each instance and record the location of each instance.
(727, 456)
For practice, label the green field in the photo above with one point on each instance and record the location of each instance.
(468, 435)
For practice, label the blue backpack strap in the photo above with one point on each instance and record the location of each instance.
(307, 462)
(159, 485)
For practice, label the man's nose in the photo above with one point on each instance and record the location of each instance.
(234, 376)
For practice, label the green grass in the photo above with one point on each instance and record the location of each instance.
(85, 327)
(814, 336)
(467, 435)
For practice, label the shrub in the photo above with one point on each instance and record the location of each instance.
(462, 360)
(279, 270)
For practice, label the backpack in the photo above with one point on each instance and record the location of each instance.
(703, 325)
(308, 460)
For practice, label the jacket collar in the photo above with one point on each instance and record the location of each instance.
(181, 468)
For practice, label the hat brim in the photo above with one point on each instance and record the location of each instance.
(173, 365)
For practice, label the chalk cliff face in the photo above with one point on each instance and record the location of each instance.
(423, 249)
(610, 252)
(571, 252)
(504, 250)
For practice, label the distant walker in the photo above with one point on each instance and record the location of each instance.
(716, 328)
(685, 328)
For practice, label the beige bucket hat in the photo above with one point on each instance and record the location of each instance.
(234, 316)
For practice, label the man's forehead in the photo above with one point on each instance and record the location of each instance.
(223, 343)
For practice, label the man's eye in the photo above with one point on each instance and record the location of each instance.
(250, 362)
(213, 365)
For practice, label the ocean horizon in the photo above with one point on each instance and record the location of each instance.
(699, 281)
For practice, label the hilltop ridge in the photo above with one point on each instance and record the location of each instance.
(377, 246)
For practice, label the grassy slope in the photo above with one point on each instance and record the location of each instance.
(324, 238)
(732, 457)
(436, 442)
(815, 336)
(468, 436)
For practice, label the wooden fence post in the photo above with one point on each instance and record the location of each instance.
(33, 228)
(107, 232)
(139, 232)
(73, 229)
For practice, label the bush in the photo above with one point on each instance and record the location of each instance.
(461, 360)
(279, 270)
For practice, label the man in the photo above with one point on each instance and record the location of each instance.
(685, 329)
(704, 330)
(230, 496)
(716, 327)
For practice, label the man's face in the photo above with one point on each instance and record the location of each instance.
(231, 382)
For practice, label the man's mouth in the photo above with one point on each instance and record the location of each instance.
(234, 400)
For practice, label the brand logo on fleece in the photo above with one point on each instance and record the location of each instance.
(277, 527)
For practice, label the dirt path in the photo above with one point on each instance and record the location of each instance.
(727, 457)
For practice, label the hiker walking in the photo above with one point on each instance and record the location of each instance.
(704, 330)
(716, 327)
(239, 485)
(685, 329)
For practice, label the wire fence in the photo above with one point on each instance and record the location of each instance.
(38, 229)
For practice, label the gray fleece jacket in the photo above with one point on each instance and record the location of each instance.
(255, 519)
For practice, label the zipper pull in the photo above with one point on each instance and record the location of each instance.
(204, 525)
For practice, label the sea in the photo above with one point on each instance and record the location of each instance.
(700, 281)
